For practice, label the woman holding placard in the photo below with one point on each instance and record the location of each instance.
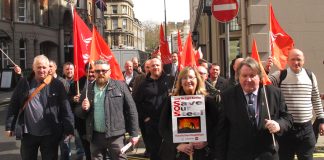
(187, 119)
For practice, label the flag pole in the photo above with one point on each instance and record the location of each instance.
(77, 68)
(8, 57)
(268, 111)
(165, 22)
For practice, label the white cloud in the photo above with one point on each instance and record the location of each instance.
(153, 10)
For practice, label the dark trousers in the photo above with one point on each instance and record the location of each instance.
(154, 139)
(100, 144)
(300, 141)
(48, 146)
(144, 137)
(80, 125)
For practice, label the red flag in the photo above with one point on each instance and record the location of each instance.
(100, 50)
(179, 50)
(188, 55)
(164, 48)
(280, 42)
(197, 56)
(81, 39)
(179, 42)
(255, 55)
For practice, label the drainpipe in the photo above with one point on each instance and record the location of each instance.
(244, 29)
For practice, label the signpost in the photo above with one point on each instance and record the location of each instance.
(224, 11)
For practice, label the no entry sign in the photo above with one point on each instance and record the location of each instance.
(224, 10)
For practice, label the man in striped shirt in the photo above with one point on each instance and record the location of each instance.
(302, 97)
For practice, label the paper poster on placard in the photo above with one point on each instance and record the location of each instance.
(6, 79)
(188, 118)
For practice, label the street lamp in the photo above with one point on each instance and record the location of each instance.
(207, 9)
(195, 38)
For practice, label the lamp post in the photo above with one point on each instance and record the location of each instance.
(207, 9)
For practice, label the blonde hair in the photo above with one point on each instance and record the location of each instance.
(200, 89)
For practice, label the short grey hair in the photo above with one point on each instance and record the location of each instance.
(101, 61)
(41, 58)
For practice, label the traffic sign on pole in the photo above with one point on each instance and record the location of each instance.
(224, 10)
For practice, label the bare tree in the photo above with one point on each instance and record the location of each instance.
(152, 35)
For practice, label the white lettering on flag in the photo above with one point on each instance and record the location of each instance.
(225, 7)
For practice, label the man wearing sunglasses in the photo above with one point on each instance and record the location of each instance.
(110, 111)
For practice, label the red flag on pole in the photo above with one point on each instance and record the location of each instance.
(81, 39)
(180, 49)
(188, 55)
(255, 55)
(164, 48)
(280, 42)
(179, 42)
(100, 50)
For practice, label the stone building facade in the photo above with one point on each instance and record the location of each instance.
(302, 20)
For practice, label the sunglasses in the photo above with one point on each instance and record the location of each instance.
(104, 71)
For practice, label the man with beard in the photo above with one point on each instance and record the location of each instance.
(150, 97)
(110, 112)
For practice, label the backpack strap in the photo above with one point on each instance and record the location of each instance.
(283, 75)
(310, 75)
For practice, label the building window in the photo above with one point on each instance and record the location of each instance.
(77, 4)
(22, 10)
(114, 24)
(125, 40)
(124, 24)
(22, 54)
(124, 9)
(4, 59)
(234, 26)
(114, 9)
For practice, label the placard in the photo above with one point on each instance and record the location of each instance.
(6, 79)
(188, 118)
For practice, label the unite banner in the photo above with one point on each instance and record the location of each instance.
(188, 118)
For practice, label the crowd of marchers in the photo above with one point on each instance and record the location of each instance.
(245, 119)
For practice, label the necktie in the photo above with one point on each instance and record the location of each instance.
(251, 109)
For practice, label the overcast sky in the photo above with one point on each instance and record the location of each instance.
(153, 10)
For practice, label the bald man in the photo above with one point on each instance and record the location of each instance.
(301, 93)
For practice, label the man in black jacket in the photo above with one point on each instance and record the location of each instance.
(215, 79)
(47, 116)
(110, 112)
(244, 130)
(150, 97)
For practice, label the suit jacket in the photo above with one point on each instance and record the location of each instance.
(237, 138)
(221, 83)
(131, 83)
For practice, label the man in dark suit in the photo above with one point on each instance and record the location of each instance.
(215, 79)
(129, 74)
(245, 130)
